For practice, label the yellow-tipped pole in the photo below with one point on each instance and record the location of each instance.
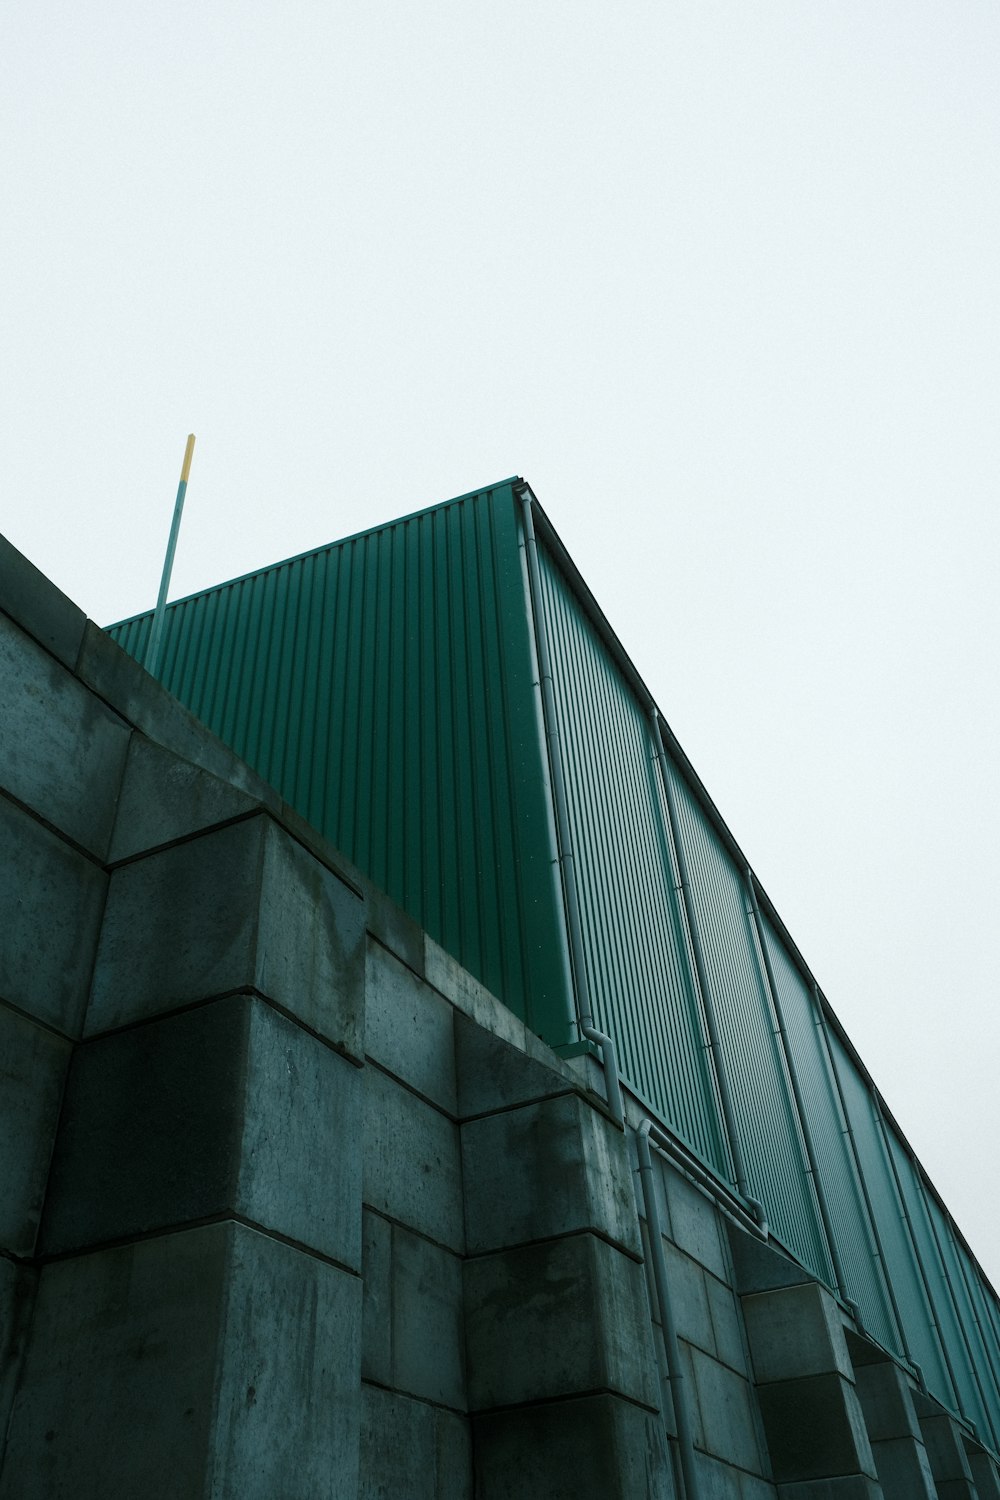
(155, 646)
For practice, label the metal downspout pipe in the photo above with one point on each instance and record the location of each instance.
(800, 1109)
(701, 972)
(564, 838)
(675, 1373)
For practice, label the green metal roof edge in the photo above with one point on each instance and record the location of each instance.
(340, 541)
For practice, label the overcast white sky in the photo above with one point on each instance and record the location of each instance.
(719, 279)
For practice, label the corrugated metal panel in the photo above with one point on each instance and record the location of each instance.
(383, 685)
(833, 1160)
(637, 967)
(900, 1266)
(966, 1358)
(761, 1099)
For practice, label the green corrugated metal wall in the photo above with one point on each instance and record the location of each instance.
(387, 686)
(383, 685)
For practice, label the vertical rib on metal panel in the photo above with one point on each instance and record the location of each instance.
(760, 1089)
(635, 968)
(832, 1155)
(383, 686)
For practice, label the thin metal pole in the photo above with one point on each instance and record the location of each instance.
(155, 645)
(701, 968)
(802, 1114)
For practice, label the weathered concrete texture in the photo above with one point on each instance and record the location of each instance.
(946, 1451)
(592, 1448)
(412, 1166)
(409, 1029)
(51, 902)
(493, 1074)
(227, 1108)
(17, 1295)
(413, 1450)
(695, 1225)
(724, 1413)
(114, 676)
(228, 1360)
(544, 1170)
(759, 1268)
(33, 1064)
(984, 1472)
(900, 1457)
(848, 1487)
(796, 1331)
(61, 750)
(815, 1429)
(165, 798)
(563, 1317)
(721, 1481)
(428, 1343)
(243, 906)
(38, 606)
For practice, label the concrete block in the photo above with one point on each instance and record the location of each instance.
(311, 951)
(165, 798)
(454, 1457)
(946, 1451)
(61, 750)
(18, 1284)
(456, 984)
(376, 1321)
(727, 1325)
(689, 1299)
(228, 1359)
(984, 1473)
(845, 1487)
(394, 928)
(398, 1447)
(242, 906)
(33, 1064)
(695, 1223)
(227, 1108)
(543, 1170)
(144, 702)
(886, 1400)
(795, 1331)
(428, 1337)
(720, 1481)
(758, 1267)
(815, 1429)
(51, 903)
(724, 1417)
(409, 1028)
(493, 1074)
(412, 1166)
(591, 1448)
(288, 1400)
(558, 1318)
(35, 604)
(903, 1469)
(179, 926)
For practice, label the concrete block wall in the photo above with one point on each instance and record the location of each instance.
(295, 1208)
